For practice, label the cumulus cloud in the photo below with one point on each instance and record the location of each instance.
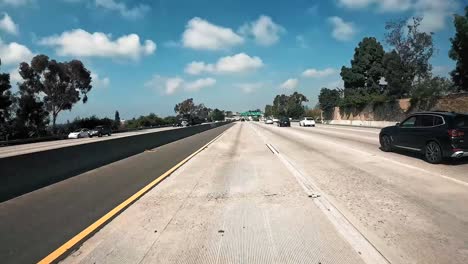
(264, 30)
(7, 25)
(314, 73)
(435, 12)
(202, 35)
(99, 82)
(16, 3)
(170, 85)
(249, 87)
(383, 5)
(14, 53)
(238, 63)
(81, 43)
(342, 30)
(290, 84)
(131, 13)
(199, 84)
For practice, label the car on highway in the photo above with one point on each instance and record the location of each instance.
(284, 122)
(437, 135)
(80, 133)
(100, 131)
(307, 121)
(275, 120)
(268, 121)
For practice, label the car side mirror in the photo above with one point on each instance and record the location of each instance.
(398, 124)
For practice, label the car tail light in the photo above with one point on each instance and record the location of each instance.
(456, 133)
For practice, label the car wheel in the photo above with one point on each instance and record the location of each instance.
(386, 143)
(433, 153)
(109, 134)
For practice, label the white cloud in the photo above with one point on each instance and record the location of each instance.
(170, 85)
(314, 73)
(167, 85)
(14, 53)
(131, 13)
(238, 63)
(435, 13)
(16, 3)
(382, 5)
(264, 30)
(199, 84)
(249, 87)
(99, 82)
(7, 25)
(15, 77)
(79, 42)
(202, 35)
(290, 84)
(342, 30)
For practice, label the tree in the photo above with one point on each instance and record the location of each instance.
(5, 102)
(329, 99)
(426, 92)
(280, 104)
(459, 52)
(217, 115)
(116, 123)
(31, 115)
(366, 67)
(315, 113)
(268, 111)
(62, 83)
(398, 79)
(414, 47)
(295, 109)
(185, 108)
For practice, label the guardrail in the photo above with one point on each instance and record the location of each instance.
(5, 143)
(25, 173)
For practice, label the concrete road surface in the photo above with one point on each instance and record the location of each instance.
(41, 146)
(242, 201)
(35, 224)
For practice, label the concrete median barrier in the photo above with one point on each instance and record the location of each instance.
(25, 173)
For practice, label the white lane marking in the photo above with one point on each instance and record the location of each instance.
(350, 233)
(350, 129)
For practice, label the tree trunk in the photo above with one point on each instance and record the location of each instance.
(54, 119)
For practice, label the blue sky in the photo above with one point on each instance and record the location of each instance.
(146, 56)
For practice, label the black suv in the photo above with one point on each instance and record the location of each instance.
(437, 135)
(100, 131)
(284, 122)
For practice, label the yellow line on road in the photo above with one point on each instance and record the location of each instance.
(101, 221)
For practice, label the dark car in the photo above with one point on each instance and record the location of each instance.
(284, 122)
(437, 135)
(100, 131)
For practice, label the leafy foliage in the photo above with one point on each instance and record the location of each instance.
(62, 83)
(414, 47)
(217, 115)
(366, 67)
(329, 98)
(5, 102)
(459, 52)
(426, 93)
(289, 106)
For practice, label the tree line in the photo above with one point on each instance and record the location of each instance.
(198, 113)
(378, 76)
(290, 106)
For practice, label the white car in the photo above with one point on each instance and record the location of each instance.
(275, 120)
(268, 121)
(80, 133)
(307, 121)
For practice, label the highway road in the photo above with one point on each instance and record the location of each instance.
(41, 146)
(258, 194)
(34, 224)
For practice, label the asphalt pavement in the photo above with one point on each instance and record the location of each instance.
(35, 224)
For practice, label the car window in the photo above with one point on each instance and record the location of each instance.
(438, 121)
(425, 121)
(461, 121)
(410, 122)
(309, 118)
